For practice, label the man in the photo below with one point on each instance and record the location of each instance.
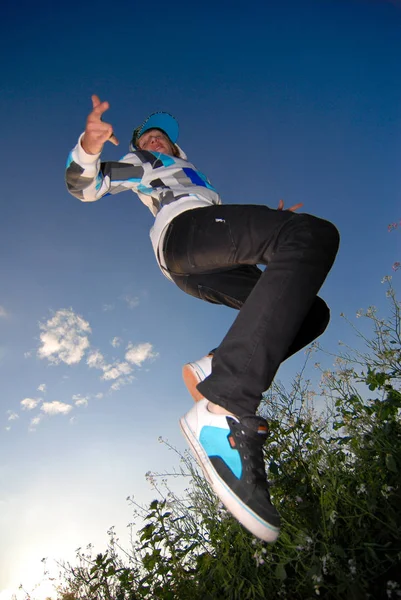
(211, 251)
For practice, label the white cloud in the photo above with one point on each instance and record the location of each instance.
(132, 301)
(42, 388)
(64, 338)
(80, 400)
(3, 312)
(116, 385)
(29, 403)
(115, 342)
(112, 371)
(99, 395)
(95, 360)
(56, 408)
(7, 428)
(120, 373)
(12, 416)
(116, 370)
(107, 307)
(139, 353)
(34, 423)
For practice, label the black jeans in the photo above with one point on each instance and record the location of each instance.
(212, 253)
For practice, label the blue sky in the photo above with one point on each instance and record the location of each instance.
(293, 100)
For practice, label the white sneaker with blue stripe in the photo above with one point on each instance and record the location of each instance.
(195, 372)
(230, 452)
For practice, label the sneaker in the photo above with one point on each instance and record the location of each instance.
(230, 452)
(195, 372)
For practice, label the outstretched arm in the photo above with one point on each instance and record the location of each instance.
(86, 177)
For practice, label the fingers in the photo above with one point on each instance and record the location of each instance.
(98, 107)
(296, 206)
(97, 132)
(95, 101)
(98, 129)
(113, 140)
(292, 208)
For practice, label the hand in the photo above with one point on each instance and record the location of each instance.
(292, 208)
(97, 132)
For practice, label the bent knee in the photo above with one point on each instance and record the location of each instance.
(323, 233)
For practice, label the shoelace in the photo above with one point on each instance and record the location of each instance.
(250, 445)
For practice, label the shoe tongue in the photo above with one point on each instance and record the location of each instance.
(257, 425)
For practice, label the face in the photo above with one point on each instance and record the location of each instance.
(155, 140)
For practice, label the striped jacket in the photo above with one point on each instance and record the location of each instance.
(167, 185)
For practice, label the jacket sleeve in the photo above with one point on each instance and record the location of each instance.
(88, 179)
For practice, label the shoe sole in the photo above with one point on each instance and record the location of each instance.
(191, 380)
(246, 516)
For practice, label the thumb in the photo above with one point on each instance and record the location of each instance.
(113, 140)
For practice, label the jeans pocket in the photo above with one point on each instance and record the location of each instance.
(210, 243)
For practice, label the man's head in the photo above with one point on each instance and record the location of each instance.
(156, 140)
(158, 133)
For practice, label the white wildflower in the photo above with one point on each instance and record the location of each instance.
(339, 361)
(385, 491)
(325, 559)
(371, 311)
(149, 476)
(391, 586)
(361, 489)
(316, 580)
(352, 566)
(259, 559)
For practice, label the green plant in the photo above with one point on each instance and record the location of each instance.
(334, 458)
